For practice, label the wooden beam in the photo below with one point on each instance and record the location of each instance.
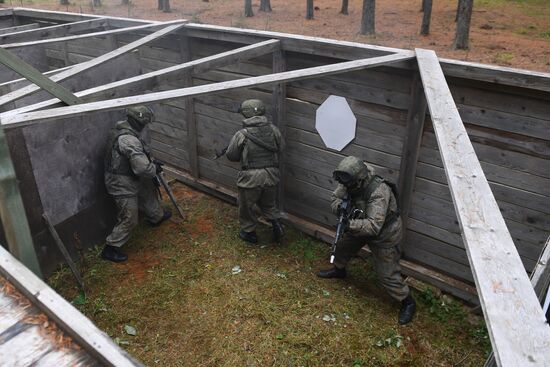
(86, 66)
(109, 105)
(59, 30)
(145, 81)
(279, 113)
(411, 147)
(88, 35)
(12, 212)
(19, 28)
(517, 326)
(25, 70)
(353, 50)
(68, 318)
(190, 118)
(540, 279)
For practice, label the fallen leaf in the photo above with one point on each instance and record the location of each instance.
(130, 330)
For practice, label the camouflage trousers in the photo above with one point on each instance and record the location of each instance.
(250, 200)
(386, 263)
(146, 201)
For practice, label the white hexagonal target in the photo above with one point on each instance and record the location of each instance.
(335, 122)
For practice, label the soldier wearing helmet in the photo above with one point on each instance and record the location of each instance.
(128, 178)
(257, 146)
(377, 224)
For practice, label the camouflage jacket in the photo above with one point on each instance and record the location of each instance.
(252, 178)
(134, 150)
(376, 209)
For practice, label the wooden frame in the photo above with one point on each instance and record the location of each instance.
(513, 315)
(512, 312)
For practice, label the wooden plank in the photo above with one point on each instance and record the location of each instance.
(88, 35)
(279, 115)
(12, 212)
(517, 327)
(70, 320)
(149, 80)
(194, 91)
(60, 30)
(411, 148)
(25, 348)
(192, 150)
(540, 277)
(351, 50)
(35, 76)
(19, 28)
(86, 66)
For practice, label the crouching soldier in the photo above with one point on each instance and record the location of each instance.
(376, 223)
(257, 146)
(129, 174)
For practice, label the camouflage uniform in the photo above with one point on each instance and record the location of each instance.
(128, 178)
(257, 146)
(379, 225)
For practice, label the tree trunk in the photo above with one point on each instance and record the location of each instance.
(344, 9)
(248, 8)
(61, 2)
(309, 9)
(166, 6)
(425, 29)
(423, 6)
(125, 2)
(367, 21)
(265, 5)
(463, 25)
(96, 3)
(160, 4)
(457, 9)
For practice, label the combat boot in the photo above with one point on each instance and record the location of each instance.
(332, 273)
(249, 237)
(113, 254)
(278, 230)
(408, 308)
(167, 215)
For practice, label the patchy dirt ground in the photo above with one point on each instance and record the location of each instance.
(198, 296)
(504, 32)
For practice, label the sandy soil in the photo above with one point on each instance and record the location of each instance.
(504, 32)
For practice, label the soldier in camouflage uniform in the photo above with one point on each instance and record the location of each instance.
(378, 225)
(257, 146)
(128, 177)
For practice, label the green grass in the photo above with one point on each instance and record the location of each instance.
(179, 292)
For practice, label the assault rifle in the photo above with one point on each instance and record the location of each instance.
(159, 180)
(345, 213)
(219, 154)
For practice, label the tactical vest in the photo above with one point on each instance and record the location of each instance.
(116, 162)
(262, 150)
(374, 183)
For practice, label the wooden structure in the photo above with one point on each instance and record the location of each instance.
(468, 144)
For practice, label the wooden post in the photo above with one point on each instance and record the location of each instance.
(12, 212)
(427, 8)
(411, 147)
(190, 118)
(517, 326)
(279, 110)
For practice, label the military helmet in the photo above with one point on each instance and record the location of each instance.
(139, 116)
(252, 107)
(350, 170)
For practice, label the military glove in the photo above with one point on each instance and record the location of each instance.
(354, 225)
(158, 166)
(336, 206)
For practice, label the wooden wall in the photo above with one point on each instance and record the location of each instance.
(507, 124)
